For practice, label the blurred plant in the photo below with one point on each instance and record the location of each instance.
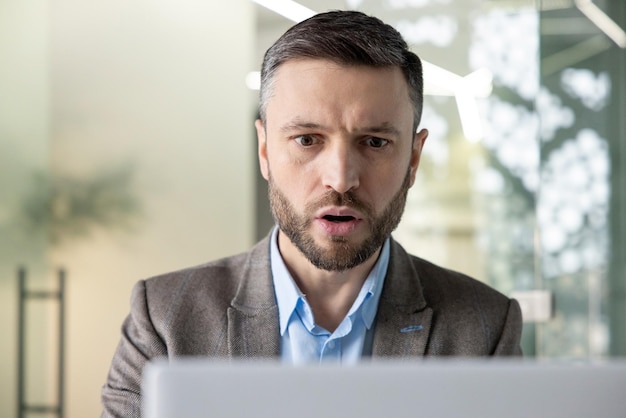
(64, 207)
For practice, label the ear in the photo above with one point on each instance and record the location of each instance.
(262, 144)
(416, 152)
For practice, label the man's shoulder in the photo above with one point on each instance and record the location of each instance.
(445, 279)
(469, 317)
(210, 269)
(442, 285)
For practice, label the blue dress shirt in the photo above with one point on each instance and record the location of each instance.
(304, 342)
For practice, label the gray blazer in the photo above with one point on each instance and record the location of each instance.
(227, 309)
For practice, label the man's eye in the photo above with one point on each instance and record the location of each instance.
(306, 140)
(375, 142)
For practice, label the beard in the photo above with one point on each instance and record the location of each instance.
(341, 255)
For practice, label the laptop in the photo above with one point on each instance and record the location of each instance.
(193, 387)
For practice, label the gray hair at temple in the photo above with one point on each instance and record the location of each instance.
(347, 38)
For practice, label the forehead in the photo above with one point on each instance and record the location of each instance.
(320, 88)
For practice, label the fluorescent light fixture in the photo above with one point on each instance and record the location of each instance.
(602, 21)
(441, 82)
(287, 8)
(470, 116)
(470, 87)
(253, 80)
(480, 82)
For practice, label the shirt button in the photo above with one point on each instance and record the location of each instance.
(331, 344)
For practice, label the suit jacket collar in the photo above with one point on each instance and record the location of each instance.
(402, 322)
(253, 328)
(403, 319)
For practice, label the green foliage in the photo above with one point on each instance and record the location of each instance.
(66, 207)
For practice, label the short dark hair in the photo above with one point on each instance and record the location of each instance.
(347, 38)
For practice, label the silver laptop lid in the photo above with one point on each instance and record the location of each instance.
(431, 388)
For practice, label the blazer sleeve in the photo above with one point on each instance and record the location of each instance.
(121, 394)
(509, 343)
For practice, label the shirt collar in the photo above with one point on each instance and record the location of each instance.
(288, 294)
(374, 285)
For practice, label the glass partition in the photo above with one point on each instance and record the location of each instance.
(581, 200)
(519, 183)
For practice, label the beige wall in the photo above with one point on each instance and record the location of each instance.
(24, 136)
(140, 107)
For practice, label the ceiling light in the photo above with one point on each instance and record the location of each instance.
(602, 21)
(441, 82)
(253, 80)
(287, 8)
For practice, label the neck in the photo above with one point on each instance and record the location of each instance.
(330, 294)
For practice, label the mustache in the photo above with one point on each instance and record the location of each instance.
(334, 198)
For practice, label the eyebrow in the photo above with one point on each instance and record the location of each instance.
(297, 125)
(384, 128)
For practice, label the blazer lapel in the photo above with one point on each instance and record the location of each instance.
(253, 334)
(402, 324)
(403, 321)
(253, 329)
(401, 334)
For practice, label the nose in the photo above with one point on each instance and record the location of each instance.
(340, 168)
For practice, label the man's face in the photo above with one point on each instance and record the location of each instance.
(339, 153)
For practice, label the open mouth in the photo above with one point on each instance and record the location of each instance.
(339, 219)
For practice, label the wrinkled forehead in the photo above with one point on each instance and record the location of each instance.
(323, 90)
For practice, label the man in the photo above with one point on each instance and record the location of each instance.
(341, 99)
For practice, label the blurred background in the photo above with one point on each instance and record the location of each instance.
(127, 149)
